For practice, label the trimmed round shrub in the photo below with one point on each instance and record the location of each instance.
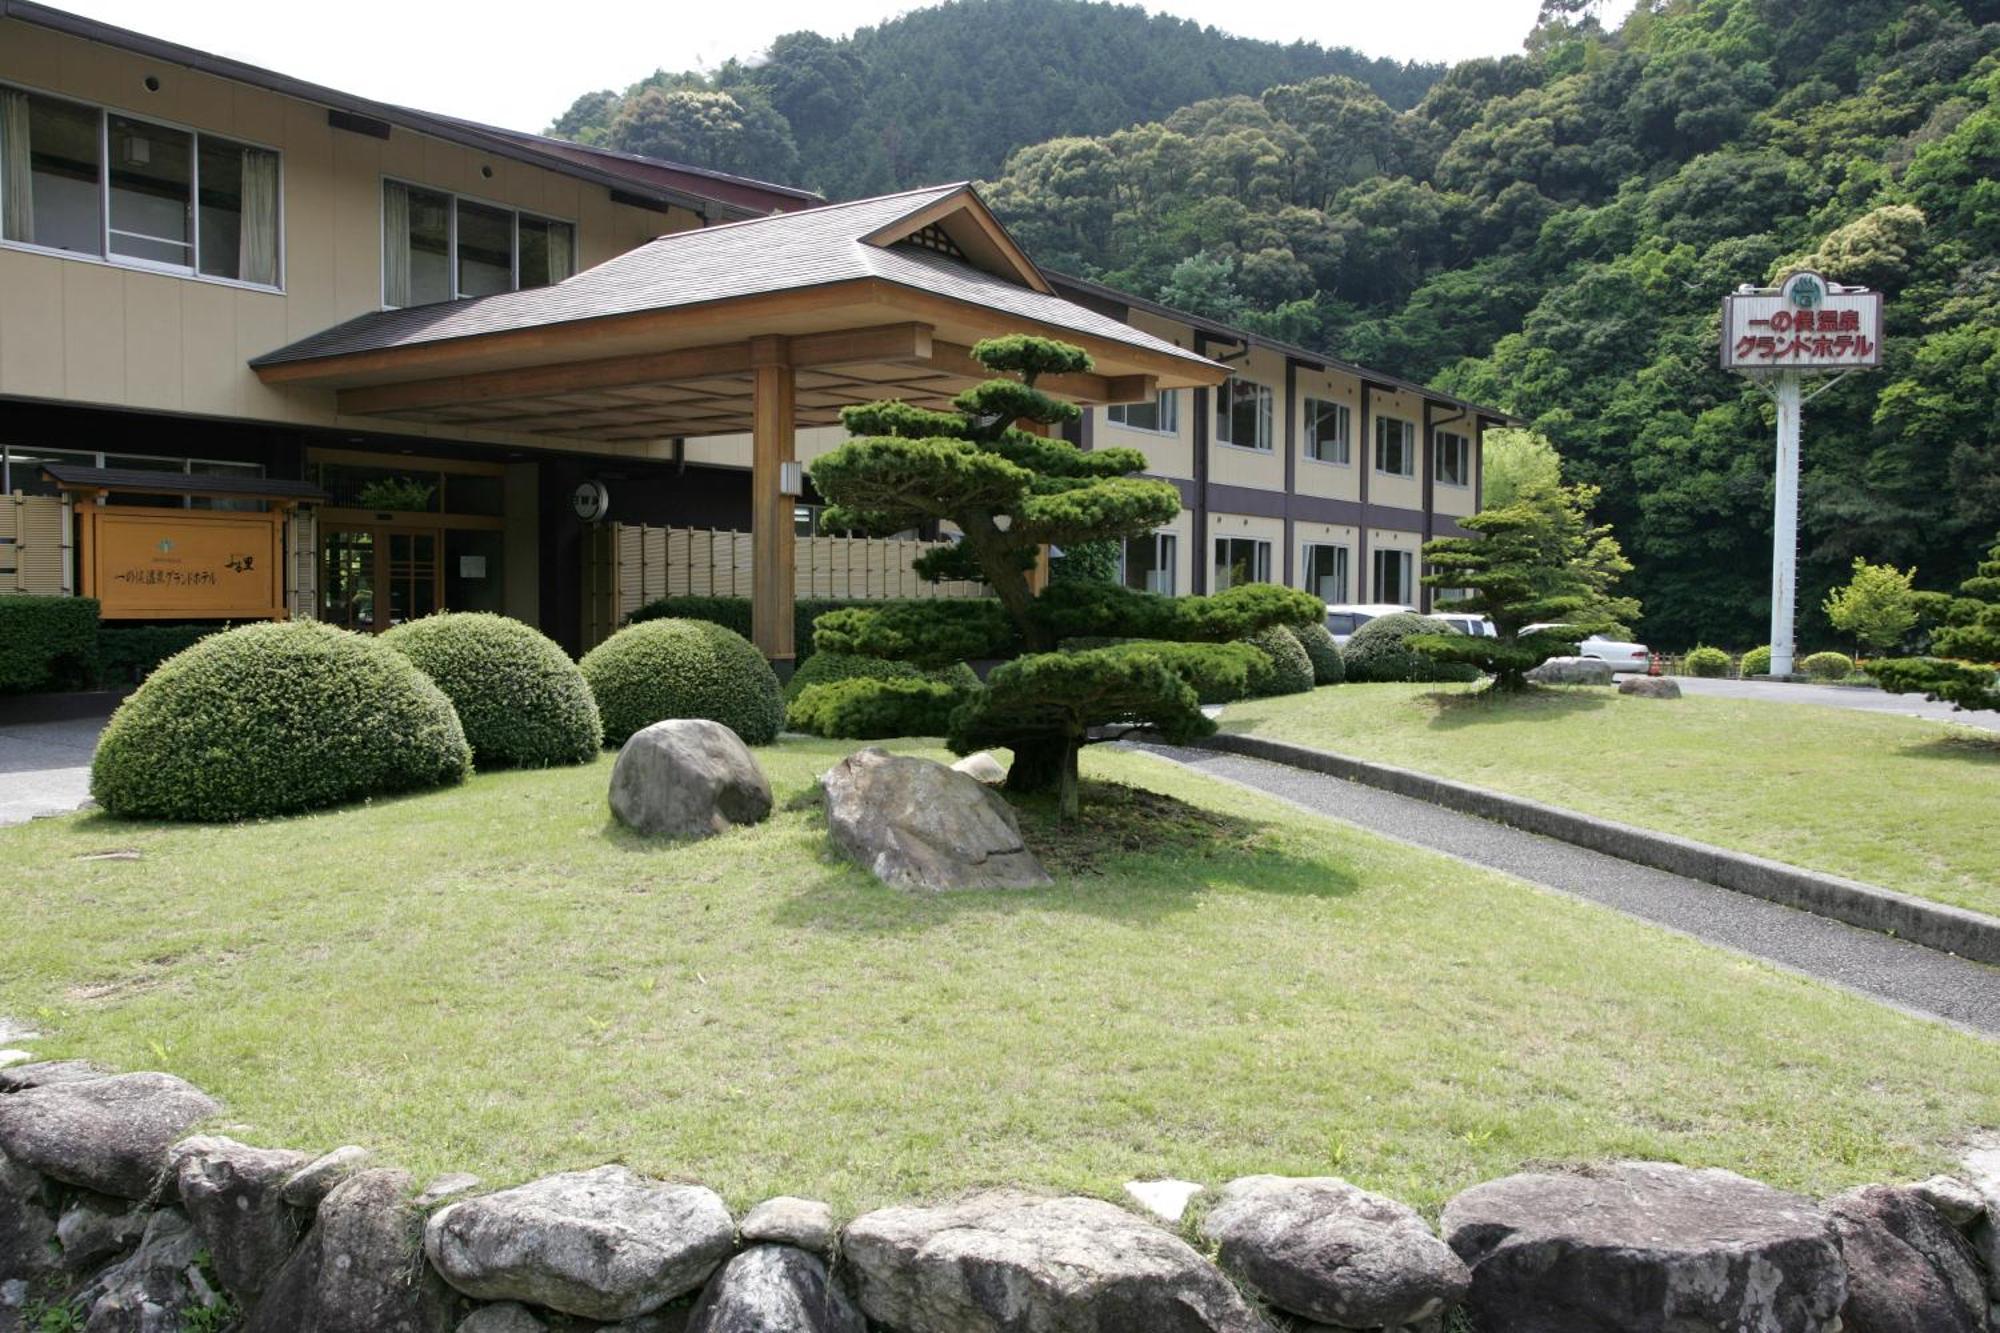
(864, 709)
(1329, 667)
(1756, 662)
(272, 719)
(522, 702)
(660, 669)
(1291, 670)
(1380, 651)
(1706, 661)
(1828, 666)
(826, 668)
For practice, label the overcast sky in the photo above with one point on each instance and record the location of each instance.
(519, 65)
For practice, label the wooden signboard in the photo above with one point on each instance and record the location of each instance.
(183, 564)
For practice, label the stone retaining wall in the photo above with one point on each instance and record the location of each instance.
(116, 1218)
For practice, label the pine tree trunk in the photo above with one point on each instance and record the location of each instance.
(1069, 805)
(1038, 766)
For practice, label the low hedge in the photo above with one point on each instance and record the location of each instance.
(272, 719)
(1380, 651)
(522, 702)
(827, 668)
(867, 709)
(1704, 661)
(660, 669)
(1329, 667)
(734, 613)
(127, 654)
(47, 643)
(1828, 666)
(1291, 670)
(1756, 662)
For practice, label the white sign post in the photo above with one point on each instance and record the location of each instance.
(1778, 336)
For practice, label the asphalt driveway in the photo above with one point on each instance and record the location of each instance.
(45, 767)
(1858, 698)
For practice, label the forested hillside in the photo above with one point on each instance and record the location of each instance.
(946, 93)
(1554, 233)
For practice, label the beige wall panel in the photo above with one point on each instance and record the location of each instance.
(31, 324)
(1331, 480)
(153, 336)
(260, 327)
(208, 339)
(257, 115)
(1263, 469)
(93, 297)
(1458, 501)
(357, 235)
(1384, 488)
(30, 54)
(1270, 530)
(402, 155)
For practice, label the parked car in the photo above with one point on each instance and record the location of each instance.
(1622, 656)
(1479, 627)
(1346, 618)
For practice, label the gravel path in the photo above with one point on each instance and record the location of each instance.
(1906, 976)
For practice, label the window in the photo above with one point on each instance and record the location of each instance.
(1393, 583)
(1326, 572)
(1395, 447)
(1240, 560)
(1147, 562)
(1163, 414)
(110, 186)
(1327, 432)
(1243, 414)
(21, 470)
(436, 246)
(1453, 465)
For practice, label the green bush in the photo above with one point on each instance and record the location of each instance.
(660, 669)
(522, 702)
(1380, 651)
(865, 709)
(1218, 673)
(274, 718)
(734, 613)
(1828, 666)
(1706, 661)
(1756, 662)
(47, 643)
(826, 668)
(1329, 667)
(127, 654)
(1291, 670)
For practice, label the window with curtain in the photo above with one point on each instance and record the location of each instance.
(1395, 447)
(547, 251)
(1243, 414)
(1146, 562)
(1327, 431)
(437, 246)
(237, 215)
(1326, 572)
(1162, 414)
(1240, 560)
(1453, 454)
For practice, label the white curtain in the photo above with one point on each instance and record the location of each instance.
(395, 244)
(562, 251)
(17, 189)
(258, 255)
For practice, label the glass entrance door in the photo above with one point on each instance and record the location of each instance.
(413, 574)
(347, 581)
(377, 576)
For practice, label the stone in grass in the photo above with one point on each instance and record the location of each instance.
(983, 766)
(688, 778)
(784, 1220)
(915, 824)
(109, 1134)
(1322, 1249)
(317, 1178)
(1908, 1271)
(1646, 1247)
(1649, 687)
(233, 1194)
(1003, 1261)
(447, 1186)
(1572, 671)
(774, 1287)
(1164, 1199)
(506, 1317)
(22, 1077)
(604, 1244)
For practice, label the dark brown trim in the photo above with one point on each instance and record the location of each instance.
(1202, 537)
(357, 124)
(1364, 577)
(1291, 434)
(1427, 460)
(1254, 501)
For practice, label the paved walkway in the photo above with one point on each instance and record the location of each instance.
(1899, 973)
(45, 767)
(1860, 699)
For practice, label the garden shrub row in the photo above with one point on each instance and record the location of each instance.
(734, 613)
(866, 708)
(1328, 665)
(47, 643)
(522, 702)
(1380, 651)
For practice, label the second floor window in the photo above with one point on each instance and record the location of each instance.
(1454, 459)
(1243, 414)
(1163, 414)
(436, 247)
(102, 184)
(1395, 447)
(1327, 431)
(1240, 560)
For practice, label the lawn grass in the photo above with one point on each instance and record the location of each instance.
(496, 979)
(1902, 802)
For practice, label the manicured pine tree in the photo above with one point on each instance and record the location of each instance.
(1538, 560)
(1971, 635)
(1010, 491)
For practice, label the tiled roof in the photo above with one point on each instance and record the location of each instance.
(784, 252)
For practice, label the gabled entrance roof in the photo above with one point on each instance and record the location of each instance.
(882, 297)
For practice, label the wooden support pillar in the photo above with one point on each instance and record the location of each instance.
(773, 437)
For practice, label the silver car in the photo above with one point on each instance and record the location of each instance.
(1342, 620)
(1619, 654)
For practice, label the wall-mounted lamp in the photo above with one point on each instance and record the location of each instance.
(791, 479)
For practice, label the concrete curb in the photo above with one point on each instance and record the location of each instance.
(1934, 925)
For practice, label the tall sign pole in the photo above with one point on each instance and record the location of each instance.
(1779, 336)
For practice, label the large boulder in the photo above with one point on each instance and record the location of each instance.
(605, 1244)
(361, 1268)
(770, 1288)
(688, 778)
(1572, 671)
(110, 1135)
(1646, 1247)
(233, 1194)
(916, 824)
(1650, 687)
(1908, 1271)
(1320, 1248)
(1004, 1261)
(152, 1289)
(22, 1077)
(27, 1229)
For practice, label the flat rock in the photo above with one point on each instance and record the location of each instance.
(1164, 1199)
(1649, 687)
(360, 1268)
(317, 1178)
(22, 1077)
(981, 765)
(605, 1244)
(447, 1186)
(233, 1194)
(27, 1228)
(1956, 1201)
(1572, 671)
(109, 1134)
(915, 824)
(1908, 1271)
(506, 1317)
(1004, 1261)
(1645, 1247)
(1325, 1250)
(784, 1220)
(688, 778)
(774, 1289)
(94, 1227)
